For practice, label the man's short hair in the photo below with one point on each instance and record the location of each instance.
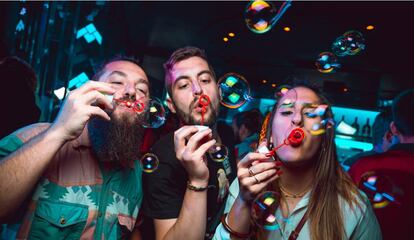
(180, 55)
(380, 127)
(402, 112)
(18, 73)
(101, 69)
(252, 120)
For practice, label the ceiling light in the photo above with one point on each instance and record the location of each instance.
(286, 29)
(370, 27)
(231, 34)
(225, 39)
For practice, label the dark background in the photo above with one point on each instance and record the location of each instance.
(151, 31)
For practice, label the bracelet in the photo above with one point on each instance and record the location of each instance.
(194, 188)
(232, 232)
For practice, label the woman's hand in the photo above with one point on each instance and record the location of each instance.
(255, 172)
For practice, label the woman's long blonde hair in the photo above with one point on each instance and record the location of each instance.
(331, 182)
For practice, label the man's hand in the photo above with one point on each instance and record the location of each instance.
(80, 106)
(191, 153)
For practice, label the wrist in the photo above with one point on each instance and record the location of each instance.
(55, 135)
(198, 183)
(196, 188)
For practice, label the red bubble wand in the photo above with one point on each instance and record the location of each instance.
(295, 138)
(204, 101)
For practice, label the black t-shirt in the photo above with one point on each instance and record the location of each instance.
(164, 188)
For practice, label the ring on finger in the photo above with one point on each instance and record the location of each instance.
(251, 173)
(255, 178)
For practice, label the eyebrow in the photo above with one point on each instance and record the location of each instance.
(198, 75)
(122, 74)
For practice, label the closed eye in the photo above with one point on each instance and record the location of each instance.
(117, 82)
(183, 86)
(286, 113)
(205, 80)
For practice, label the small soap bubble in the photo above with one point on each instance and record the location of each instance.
(263, 210)
(340, 47)
(218, 152)
(327, 62)
(355, 42)
(149, 162)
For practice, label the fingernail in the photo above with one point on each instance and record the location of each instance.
(279, 172)
(278, 163)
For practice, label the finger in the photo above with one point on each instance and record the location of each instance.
(203, 148)
(97, 111)
(250, 158)
(180, 136)
(195, 140)
(260, 167)
(250, 181)
(260, 187)
(95, 85)
(96, 98)
(263, 185)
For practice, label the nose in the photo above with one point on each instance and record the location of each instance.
(297, 118)
(197, 90)
(130, 91)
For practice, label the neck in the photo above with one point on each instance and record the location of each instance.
(297, 180)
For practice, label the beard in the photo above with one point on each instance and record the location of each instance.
(118, 140)
(188, 118)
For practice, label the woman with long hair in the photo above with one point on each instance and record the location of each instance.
(316, 197)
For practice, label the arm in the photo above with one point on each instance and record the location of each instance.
(20, 171)
(265, 171)
(192, 220)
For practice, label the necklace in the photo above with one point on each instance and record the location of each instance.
(292, 195)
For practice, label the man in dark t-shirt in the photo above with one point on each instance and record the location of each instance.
(185, 195)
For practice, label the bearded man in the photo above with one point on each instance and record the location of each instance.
(79, 177)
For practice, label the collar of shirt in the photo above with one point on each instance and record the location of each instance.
(83, 140)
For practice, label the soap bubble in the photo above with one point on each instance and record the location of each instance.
(263, 210)
(149, 162)
(235, 90)
(327, 62)
(340, 47)
(379, 189)
(350, 43)
(259, 15)
(218, 152)
(154, 115)
(355, 42)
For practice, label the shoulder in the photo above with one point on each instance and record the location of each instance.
(353, 212)
(164, 144)
(359, 219)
